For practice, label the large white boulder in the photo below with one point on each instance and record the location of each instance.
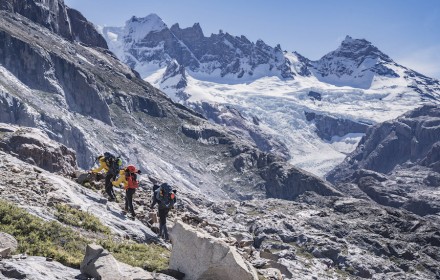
(201, 256)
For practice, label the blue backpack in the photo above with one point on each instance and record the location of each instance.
(166, 196)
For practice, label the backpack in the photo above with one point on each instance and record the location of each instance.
(132, 182)
(166, 196)
(113, 163)
(109, 157)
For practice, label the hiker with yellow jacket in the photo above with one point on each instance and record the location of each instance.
(111, 165)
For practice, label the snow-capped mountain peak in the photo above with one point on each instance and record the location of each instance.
(358, 49)
(355, 63)
(137, 28)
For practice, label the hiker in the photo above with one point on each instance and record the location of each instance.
(111, 165)
(165, 197)
(128, 176)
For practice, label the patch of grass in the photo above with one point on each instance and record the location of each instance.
(40, 238)
(37, 237)
(77, 218)
(150, 257)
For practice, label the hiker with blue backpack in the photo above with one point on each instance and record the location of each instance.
(165, 197)
(111, 165)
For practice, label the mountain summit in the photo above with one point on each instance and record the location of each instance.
(355, 63)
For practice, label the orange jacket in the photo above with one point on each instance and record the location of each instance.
(126, 180)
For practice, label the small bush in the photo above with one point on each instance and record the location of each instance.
(77, 218)
(150, 257)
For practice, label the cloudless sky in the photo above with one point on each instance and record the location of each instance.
(406, 30)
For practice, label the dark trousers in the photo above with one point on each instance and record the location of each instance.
(109, 177)
(129, 200)
(163, 231)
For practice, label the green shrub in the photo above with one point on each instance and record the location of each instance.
(151, 257)
(77, 218)
(40, 238)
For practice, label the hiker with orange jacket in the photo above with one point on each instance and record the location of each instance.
(128, 177)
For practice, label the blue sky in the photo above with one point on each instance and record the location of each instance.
(406, 30)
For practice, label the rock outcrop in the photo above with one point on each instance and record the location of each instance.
(58, 18)
(35, 147)
(406, 150)
(289, 183)
(100, 264)
(201, 256)
(8, 244)
(409, 138)
(329, 126)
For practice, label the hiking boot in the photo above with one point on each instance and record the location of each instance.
(111, 199)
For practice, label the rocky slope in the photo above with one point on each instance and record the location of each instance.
(318, 237)
(312, 237)
(397, 163)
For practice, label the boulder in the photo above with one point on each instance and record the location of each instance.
(201, 256)
(5, 252)
(7, 241)
(100, 264)
(36, 268)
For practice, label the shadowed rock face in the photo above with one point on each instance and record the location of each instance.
(290, 183)
(58, 18)
(409, 138)
(329, 126)
(406, 149)
(33, 146)
(51, 72)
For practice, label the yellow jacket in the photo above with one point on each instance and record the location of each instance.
(121, 179)
(102, 165)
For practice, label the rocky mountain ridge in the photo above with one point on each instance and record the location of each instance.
(148, 40)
